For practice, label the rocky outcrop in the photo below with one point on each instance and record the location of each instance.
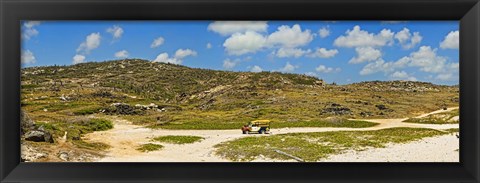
(383, 108)
(336, 109)
(39, 136)
(123, 109)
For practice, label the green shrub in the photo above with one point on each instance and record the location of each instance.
(178, 139)
(149, 147)
(97, 124)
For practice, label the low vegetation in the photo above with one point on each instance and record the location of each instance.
(315, 146)
(149, 147)
(449, 117)
(178, 139)
(453, 130)
(209, 125)
(76, 128)
(76, 98)
(91, 146)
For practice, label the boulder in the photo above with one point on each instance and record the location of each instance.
(39, 136)
(64, 156)
(381, 107)
(123, 109)
(336, 109)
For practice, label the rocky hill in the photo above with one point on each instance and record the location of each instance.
(148, 91)
(158, 81)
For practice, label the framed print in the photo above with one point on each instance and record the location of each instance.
(248, 91)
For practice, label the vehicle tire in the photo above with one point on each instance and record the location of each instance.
(244, 132)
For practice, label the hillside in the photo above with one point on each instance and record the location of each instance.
(218, 93)
(158, 81)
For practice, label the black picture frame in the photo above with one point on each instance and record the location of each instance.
(13, 11)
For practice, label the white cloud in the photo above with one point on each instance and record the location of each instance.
(454, 66)
(286, 39)
(451, 41)
(450, 73)
(325, 69)
(182, 53)
(29, 30)
(324, 32)
(209, 45)
(27, 57)
(226, 28)
(78, 59)
(163, 57)
(291, 52)
(446, 77)
(157, 42)
(361, 38)
(230, 64)
(121, 54)
(31, 24)
(311, 74)
(288, 67)
(406, 39)
(92, 41)
(116, 31)
(242, 43)
(324, 53)
(256, 68)
(427, 59)
(382, 66)
(402, 75)
(290, 37)
(365, 54)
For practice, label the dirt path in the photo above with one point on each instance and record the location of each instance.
(125, 137)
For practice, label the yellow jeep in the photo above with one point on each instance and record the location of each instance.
(259, 126)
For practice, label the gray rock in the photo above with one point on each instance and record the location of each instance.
(35, 135)
(63, 156)
(39, 136)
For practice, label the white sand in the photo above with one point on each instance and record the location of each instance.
(433, 149)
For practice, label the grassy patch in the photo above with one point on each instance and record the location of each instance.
(149, 147)
(206, 125)
(315, 146)
(88, 110)
(438, 118)
(97, 124)
(453, 130)
(91, 146)
(47, 126)
(326, 123)
(173, 139)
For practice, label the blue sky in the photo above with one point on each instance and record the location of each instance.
(336, 51)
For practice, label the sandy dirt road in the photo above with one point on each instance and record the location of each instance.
(125, 137)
